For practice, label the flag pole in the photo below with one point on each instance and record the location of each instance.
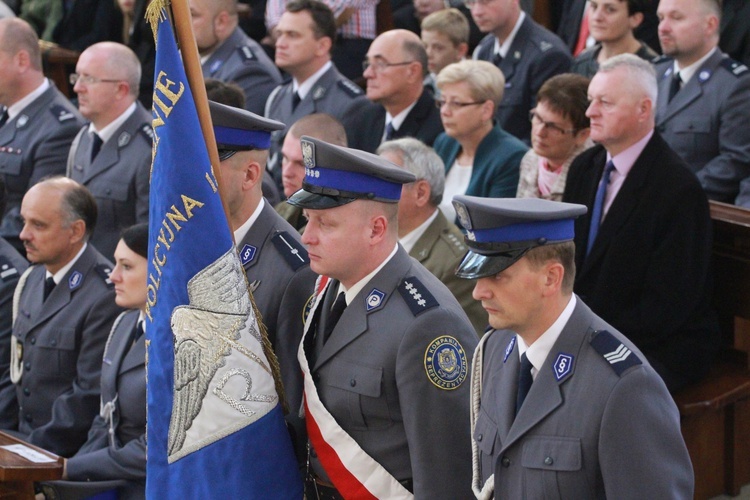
(183, 26)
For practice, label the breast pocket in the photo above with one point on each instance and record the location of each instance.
(10, 162)
(549, 463)
(361, 389)
(696, 135)
(485, 436)
(111, 198)
(55, 352)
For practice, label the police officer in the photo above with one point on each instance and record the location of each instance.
(37, 124)
(229, 55)
(704, 97)
(111, 155)
(563, 405)
(66, 309)
(386, 347)
(304, 38)
(275, 261)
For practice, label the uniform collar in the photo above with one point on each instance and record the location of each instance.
(305, 87)
(59, 275)
(687, 72)
(241, 232)
(19, 106)
(358, 286)
(505, 47)
(411, 239)
(107, 132)
(538, 351)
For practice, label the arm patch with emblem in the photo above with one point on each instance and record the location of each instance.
(416, 296)
(617, 354)
(292, 250)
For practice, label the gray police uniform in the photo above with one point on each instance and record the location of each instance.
(293, 215)
(118, 177)
(243, 61)
(598, 421)
(706, 122)
(535, 55)
(61, 341)
(33, 145)
(282, 282)
(12, 265)
(331, 94)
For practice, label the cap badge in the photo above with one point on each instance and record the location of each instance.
(463, 215)
(308, 154)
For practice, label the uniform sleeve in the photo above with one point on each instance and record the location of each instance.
(126, 462)
(73, 410)
(721, 176)
(142, 187)
(257, 82)
(436, 420)
(641, 450)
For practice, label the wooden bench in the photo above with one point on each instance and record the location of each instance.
(715, 413)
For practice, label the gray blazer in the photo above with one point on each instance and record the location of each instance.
(243, 61)
(706, 122)
(34, 144)
(118, 178)
(282, 282)
(371, 375)
(63, 341)
(588, 428)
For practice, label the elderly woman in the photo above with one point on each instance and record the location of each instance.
(480, 158)
(559, 133)
(114, 454)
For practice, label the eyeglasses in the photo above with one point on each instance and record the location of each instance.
(88, 80)
(552, 127)
(454, 105)
(379, 66)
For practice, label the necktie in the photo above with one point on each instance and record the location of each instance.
(137, 331)
(49, 284)
(524, 381)
(389, 131)
(3, 117)
(336, 311)
(295, 100)
(497, 59)
(96, 145)
(675, 85)
(596, 211)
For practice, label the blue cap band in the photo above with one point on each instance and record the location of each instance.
(353, 182)
(551, 230)
(247, 139)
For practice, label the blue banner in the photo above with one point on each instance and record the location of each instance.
(215, 425)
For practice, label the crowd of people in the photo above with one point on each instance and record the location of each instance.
(481, 248)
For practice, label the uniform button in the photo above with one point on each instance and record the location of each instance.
(53, 342)
(27, 417)
(548, 461)
(505, 462)
(33, 340)
(26, 391)
(27, 365)
(353, 382)
(109, 191)
(479, 437)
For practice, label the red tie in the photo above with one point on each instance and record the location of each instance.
(583, 35)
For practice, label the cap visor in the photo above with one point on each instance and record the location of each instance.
(306, 199)
(476, 265)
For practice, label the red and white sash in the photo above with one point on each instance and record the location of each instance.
(354, 473)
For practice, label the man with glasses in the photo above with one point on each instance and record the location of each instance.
(37, 122)
(397, 104)
(111, 155)
(526, 53)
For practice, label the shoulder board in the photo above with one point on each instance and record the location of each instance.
(544, 45)
(246, 53)
(617, 354)
(350, 88)
(456, 244)
(62, 113)
(734, 67)
(416, 296)
(8, 271)
(147, 132)
(104, 270)
(660, 59)
(292, 250)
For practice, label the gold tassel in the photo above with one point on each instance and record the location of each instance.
(155, 13)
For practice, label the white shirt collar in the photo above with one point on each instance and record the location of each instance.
(687, 73)
(538, 351)
(411, 239)
(505, 47)
(359, 285)
(241, 232)
(107, 132)
(399, 119)
(305, 87)
(18, 106)
(59, 275)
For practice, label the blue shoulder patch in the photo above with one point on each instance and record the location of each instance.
(103, 270)
(8, 271)
(350, 88)
(62, 113)
(734, 67)
(416, 296)
(617, 354)
(660, 59)
(147, 132)
(246, 54)
(291, 249)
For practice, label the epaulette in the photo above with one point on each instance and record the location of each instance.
(292, 250)
(734, 67)
(104, 270)
(148, 132)
(8, 271)
(246, 54)
(456, 244)
(349, 87)
(416, 295)
(62, 113)
(617, 354)
(660, 59)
